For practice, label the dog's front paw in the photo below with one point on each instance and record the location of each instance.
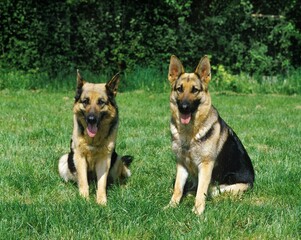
(101, 200)
(171, 204)
(198, 209)
(84, 193)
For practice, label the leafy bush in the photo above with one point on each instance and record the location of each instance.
(43, 43)
(60, 36)
(246, 83)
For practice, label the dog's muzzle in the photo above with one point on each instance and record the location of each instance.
(91, 119)
(184, 107)
(185, 112)
(92, 128)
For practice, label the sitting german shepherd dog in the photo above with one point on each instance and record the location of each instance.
(93, 141)
(205, 146)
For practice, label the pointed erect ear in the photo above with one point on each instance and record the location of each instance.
(80, 80)
(204, 69)
(175, 69)
(112, 85)
(79, 86)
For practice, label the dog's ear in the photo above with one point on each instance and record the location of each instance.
(80, 80)
(79, 86)
(175, 69)
(112, 85)
(204, 69)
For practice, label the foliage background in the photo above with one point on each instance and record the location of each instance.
(59, 36)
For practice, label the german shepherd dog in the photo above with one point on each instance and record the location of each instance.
(205, 146)
(93, 141)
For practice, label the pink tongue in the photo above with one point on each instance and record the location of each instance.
(185, 118)
(92, 130)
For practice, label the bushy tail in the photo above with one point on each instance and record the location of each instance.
(127, 160)
(120, 168)
(64, 170)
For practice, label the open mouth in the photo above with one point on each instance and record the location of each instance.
(185, 118)
(92, 125)
(92, 130)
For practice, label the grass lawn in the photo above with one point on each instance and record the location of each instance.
(36, 204)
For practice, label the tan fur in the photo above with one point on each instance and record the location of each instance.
(194, 156)
(94, 153)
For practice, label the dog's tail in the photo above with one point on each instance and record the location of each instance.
(64, 170)
(120, 166)
(127, 160)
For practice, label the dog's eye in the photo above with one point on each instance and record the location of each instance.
(85, 101)
(195, 90)
(180, 89)
(101, 102)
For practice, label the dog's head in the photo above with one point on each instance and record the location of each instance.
(189, 90)
(95, 104)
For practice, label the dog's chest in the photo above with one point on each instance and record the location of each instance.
(91, 154)
(188, 151)
(95, 153)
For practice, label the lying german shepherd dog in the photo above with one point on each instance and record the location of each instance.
(205, 146)
(93, 141)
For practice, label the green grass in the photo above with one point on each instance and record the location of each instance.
(154, 79)
(36, 204)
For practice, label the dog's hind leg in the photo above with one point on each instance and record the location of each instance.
(234, 189)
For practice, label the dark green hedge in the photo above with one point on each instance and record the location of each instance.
(104, 36)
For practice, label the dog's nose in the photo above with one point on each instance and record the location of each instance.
(185, 105)
(91, 119)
